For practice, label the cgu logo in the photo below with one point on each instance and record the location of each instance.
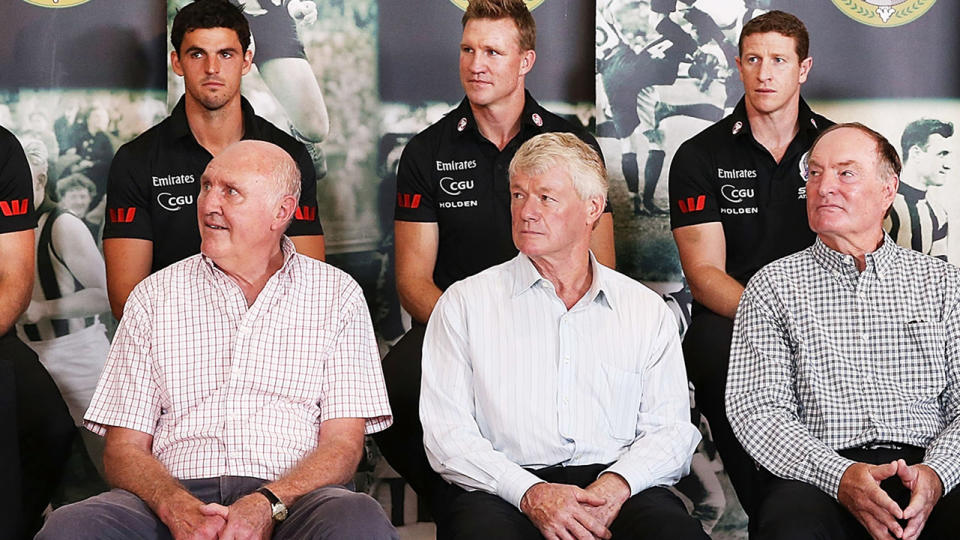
(56, 3)
(174, 202)
(734, 194)
(455, 187)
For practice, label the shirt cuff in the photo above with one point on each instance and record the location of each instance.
(946, 468)
(830, 471)
(514, 483)
(632, 478)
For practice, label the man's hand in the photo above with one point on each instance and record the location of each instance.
(558, 512)
(249, 518)
(612, 488)
(925, 490)
(860, 493)
(190, 519)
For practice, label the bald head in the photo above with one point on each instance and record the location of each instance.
(248, 195)
(263, 159)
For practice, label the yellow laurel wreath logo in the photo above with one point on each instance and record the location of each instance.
(56, 3)
(884, 13)
(531, 4)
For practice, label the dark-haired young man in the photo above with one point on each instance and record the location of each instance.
(453, 204)
(154, 179)
(738, 195)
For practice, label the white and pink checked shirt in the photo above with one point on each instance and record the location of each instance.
(229, 391)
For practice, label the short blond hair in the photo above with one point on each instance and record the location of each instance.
(515, 10)
(548, 150)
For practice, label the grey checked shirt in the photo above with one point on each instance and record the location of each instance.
(826, 358)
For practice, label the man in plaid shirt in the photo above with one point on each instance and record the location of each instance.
(240, 384)
(844, 377)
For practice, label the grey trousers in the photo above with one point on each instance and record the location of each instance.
(331, 512)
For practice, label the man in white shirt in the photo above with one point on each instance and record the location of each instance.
(554, 395)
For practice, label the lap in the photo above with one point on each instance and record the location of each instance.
(651, 514)
(335, 512)
(327, 512)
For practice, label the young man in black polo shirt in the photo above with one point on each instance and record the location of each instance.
(154, 179)
(453, 205)
(37, 429)
(738, 202)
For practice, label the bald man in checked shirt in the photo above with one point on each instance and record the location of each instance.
(240, 383)
(554, 395)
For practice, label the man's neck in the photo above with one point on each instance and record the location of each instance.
(252, 273)
(856, 246)
(571, 275)
(499, 123)
(215, 130)
(909, 178)
(776, 130)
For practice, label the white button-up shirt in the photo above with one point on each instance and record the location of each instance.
(229, 390)
(514, 380)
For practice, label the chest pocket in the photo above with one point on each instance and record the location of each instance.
(921, 351)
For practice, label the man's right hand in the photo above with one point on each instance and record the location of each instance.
(860, 493)
(190, 519)
(556, 511)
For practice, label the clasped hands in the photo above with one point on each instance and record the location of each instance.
(567, 512)
(249, 518)
(861, 494)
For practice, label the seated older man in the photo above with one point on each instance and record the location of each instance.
(240, 383)
(554, 394)
(844, 375)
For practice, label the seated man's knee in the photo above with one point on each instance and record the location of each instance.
(795, 510)
(347, 514)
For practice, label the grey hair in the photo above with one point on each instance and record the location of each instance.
(549, 150)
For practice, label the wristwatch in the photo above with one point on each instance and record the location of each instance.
(278, 509)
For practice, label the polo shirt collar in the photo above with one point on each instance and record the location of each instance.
(179, 127)
(526, 277)
(532, 116)
(881, 259)
(806, 119)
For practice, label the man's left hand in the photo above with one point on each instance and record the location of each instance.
(249, 518)
(925, 490)
(612, 488)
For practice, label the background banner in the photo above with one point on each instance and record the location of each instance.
(81, 79)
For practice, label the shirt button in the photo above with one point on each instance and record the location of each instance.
(566, 401)
(566, 360)
(865, 336)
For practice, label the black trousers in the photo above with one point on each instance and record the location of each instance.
(794, 510)
(402, 443)
(38, 433)
(654, 513)
(706, 352)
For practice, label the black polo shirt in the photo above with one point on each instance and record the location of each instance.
(723, 174)
(155, 179)
(451, 175)
(16, 186)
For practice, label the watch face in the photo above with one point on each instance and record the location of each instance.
(279, 512)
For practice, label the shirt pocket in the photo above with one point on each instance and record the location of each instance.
(921, 365)
(620, 399)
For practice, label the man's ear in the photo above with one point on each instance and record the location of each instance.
(175, 63)
(595, 206)
(247, 61)
(285, 210)
(526, 61)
